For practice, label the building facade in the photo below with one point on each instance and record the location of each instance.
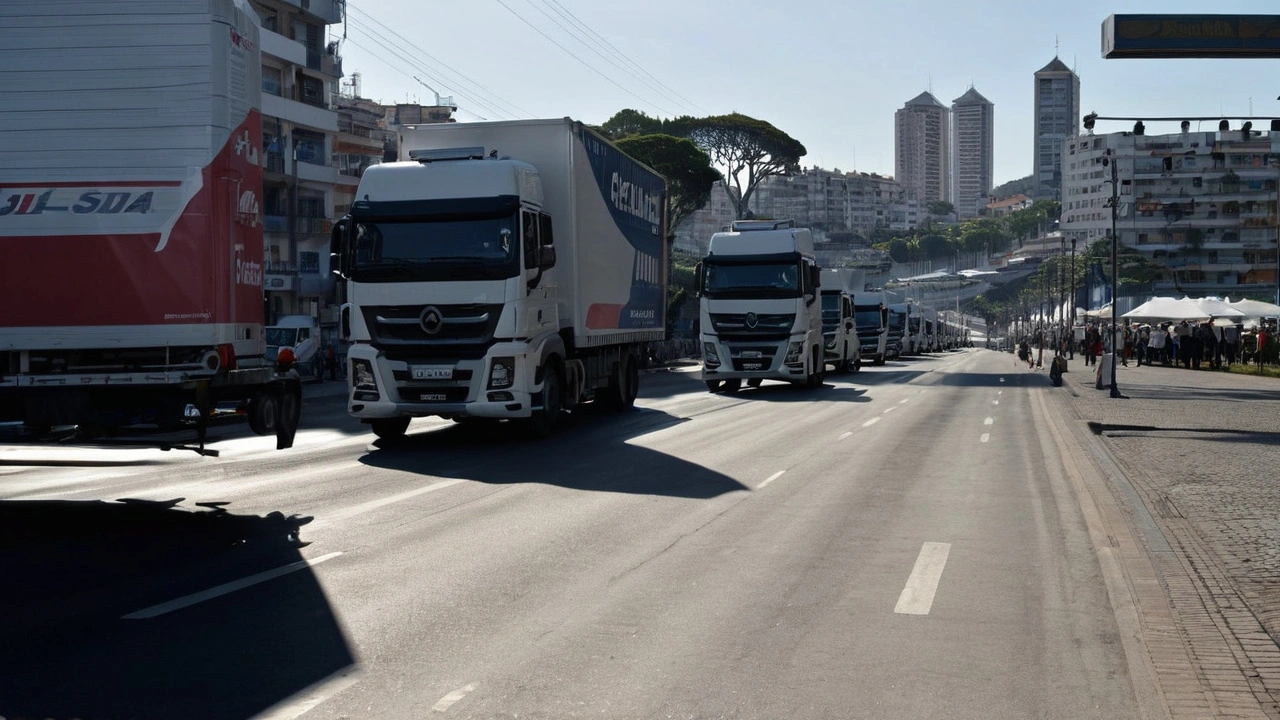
(829, 200)
(300, 73)
(972, 152)
(1200, 205)
(1057, 117)
(922, 149)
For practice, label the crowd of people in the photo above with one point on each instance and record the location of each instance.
(1192, 345)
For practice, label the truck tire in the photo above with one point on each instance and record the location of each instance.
(624, 384)
(262, 413)
(390, 428)
(545, 419)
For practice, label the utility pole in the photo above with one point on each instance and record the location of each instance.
(1072, 327)
(1109, 158)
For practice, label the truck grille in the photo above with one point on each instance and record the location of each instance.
(729, 326)
(433, 331)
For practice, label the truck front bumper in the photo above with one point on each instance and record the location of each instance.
(390, 388)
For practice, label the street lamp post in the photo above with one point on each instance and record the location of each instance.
(1109, 158)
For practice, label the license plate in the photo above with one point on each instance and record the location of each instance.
(751, 354)
(432, 397)
(752, 366)
(428, 372)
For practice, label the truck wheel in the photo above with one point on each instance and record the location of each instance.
(624, 385)
(390, 428)
(732, 386)
(544, 420)
(879, 360)
(262, 414)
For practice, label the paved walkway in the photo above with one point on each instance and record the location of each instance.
(1202, 451)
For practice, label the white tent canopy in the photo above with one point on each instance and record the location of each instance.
(1255, 309)
(1167, 308)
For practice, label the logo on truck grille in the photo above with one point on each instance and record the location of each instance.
(752, 320)
(431, 320)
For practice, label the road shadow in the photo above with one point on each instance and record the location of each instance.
(1016, 378)
(589, 452)
(782, 392)
(892, 376)
(73, 569)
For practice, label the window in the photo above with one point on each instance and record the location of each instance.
(311, 90)
(310, 146)
(272, 82)
(309, 262)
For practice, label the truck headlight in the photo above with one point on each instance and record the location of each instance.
(793, 352)
(709, 354)
(362, 375)
(502, 373)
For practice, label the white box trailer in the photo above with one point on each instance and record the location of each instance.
(501, 270)
(130, 216)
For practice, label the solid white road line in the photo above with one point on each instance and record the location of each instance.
(225, 589)
(989, 421)
(306, 699)
(770, 479)
(446, 702)
(985, 437)
(917, 596)
(871, 422)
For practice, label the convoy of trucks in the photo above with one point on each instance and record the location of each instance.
(839, 329)
(501, 270)
(130, 228)
(759, 307)
(872, 317)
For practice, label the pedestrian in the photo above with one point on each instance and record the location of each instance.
(1231, 341)
(1262, 342)
(1155, 344)
(1140, 347)
(1184, 351)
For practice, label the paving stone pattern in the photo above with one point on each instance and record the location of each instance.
(1203, 450)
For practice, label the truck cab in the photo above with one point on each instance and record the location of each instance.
(872, 318)
(301, 334)
(896, 346)
(839, 333)
(760, 309)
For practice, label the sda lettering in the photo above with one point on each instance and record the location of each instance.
(99, 202)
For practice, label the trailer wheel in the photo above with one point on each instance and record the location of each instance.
(389, 428)
(262, 414)
(544, 420)
(624, 384)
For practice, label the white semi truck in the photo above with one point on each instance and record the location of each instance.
(872, 316)
(839, 331)
(897, 335)
(131, 229)
(759, 307)
(501, 270)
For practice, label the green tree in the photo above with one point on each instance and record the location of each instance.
(934, 246)
(687, 169)
(745, 151)
(628, 122)
(941, 207)
(899, 250)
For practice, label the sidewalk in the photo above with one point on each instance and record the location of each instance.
(1202, 451)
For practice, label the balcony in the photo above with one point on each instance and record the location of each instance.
(330, 11)
(274, 163)
(275, 223)
(315, 226)
(300, 113)
(277, 45)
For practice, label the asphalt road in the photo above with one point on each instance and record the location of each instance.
(899, 543)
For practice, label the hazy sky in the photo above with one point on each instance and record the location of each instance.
(831, 74)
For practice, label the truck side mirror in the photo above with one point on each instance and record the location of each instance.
(338, 249)
(547, 257)
(699, 280)
(344, 322)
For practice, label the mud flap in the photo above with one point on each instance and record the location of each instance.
(288, 397)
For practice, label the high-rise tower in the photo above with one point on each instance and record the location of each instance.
(1057, 117)
(972, 143)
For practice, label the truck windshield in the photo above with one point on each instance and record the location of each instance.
(433, 250)
(281, 337)
(897, 320)
(913, 324)
(867, 318)
(778, 280)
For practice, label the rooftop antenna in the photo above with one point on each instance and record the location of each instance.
(1055, 46)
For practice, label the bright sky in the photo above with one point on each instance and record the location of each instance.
(830, 73)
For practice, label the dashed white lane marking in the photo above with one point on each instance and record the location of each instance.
(917, 596)
(770, 479)
(889, 410)
(845, 435)
(995, 402)
(989, 421)
(225, 588)
(985, 437)
(871, 422)
(999, 392)
(903, 401)
(446, 702)
(303, 701)
(363, 508)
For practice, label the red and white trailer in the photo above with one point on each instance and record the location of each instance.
(130, 219)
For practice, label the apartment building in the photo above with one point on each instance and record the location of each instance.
(829, 200)
(922, 149)
(973, 152)
(1057, 117)
(300, 73)
(1202, 205)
